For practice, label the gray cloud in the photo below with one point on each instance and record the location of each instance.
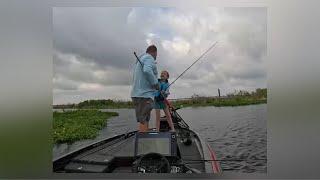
(97, 34)
(72, 68)
(63, 84)
(93, 49)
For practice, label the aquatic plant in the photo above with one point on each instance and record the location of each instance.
(71, 126)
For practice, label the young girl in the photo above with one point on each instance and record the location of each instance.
(160, 100)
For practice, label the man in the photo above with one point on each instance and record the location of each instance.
(145, 84)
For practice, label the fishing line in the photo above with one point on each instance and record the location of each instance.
(210, 160)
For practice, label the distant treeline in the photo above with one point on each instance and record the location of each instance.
(239, 97)
(258, 93)
(96, 104)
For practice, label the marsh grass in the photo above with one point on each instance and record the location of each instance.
(234, 101)
(192, 102)
(71, 126)
(237, 98)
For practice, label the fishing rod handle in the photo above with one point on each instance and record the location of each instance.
(135, 54)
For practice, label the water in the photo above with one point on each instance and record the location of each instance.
(233, 132)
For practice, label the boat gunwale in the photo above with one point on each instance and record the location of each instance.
(74, 153)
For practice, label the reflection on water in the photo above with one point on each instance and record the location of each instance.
(233, 132)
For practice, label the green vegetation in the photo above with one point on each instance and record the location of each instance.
(96, 104)
(104, 104)
(71, 126)
(205, 101)
(238, 98)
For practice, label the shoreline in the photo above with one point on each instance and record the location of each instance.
(230, 102)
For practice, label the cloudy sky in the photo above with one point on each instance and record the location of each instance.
(93, 49)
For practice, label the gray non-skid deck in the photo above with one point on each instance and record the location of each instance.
(124, 148)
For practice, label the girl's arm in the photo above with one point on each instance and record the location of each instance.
(166, 92)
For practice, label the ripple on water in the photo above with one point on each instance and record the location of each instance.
(240, 134)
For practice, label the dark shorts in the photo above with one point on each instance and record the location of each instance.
(159, 105)
(143, 107)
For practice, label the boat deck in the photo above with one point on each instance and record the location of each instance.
(101, 158)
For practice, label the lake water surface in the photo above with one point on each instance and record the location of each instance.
(237, 134)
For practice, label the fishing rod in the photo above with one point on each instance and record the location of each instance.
(213, 45)
(135, 54)
(193, 63)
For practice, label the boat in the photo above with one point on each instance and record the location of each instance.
(182, 151)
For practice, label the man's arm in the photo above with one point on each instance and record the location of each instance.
(148, 70)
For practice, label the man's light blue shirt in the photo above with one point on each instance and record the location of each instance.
(144, 77)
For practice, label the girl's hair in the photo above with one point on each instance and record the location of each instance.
(166, 73)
